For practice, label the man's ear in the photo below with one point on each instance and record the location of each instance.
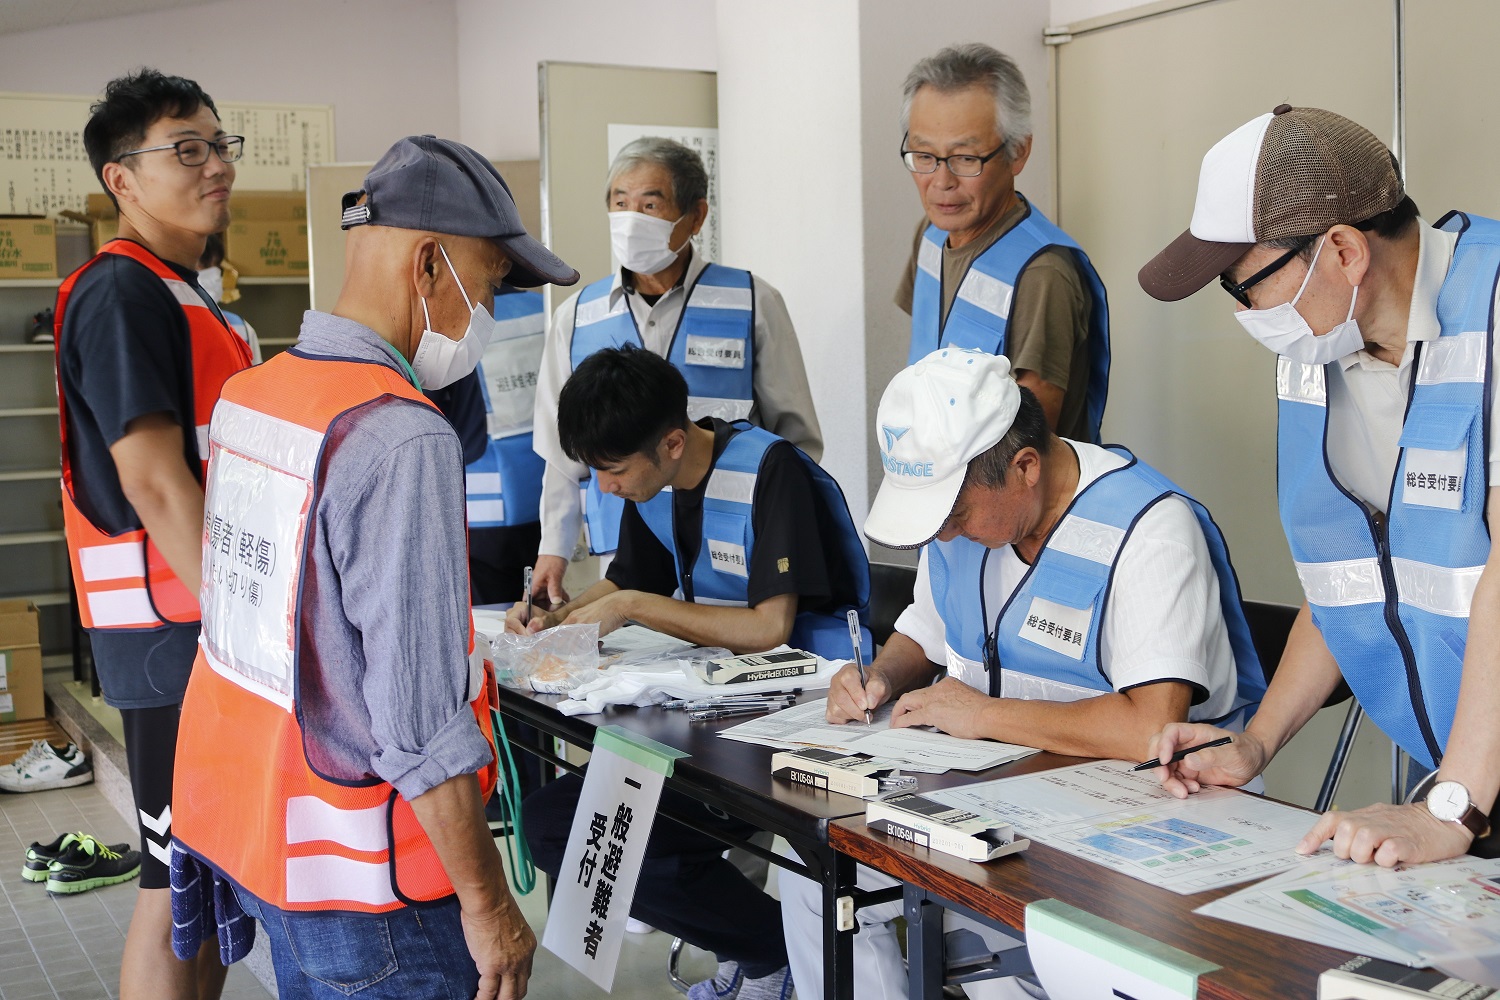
(119, 180)
(1028, 462)
(426, 265)
(1353, 250)
(1018, 162)
(673, 444)
(699, 215)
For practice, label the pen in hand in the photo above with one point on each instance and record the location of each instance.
(859, 658)
(1148, 765)
(526, 589)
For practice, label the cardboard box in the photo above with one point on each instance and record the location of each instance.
(20, 663)
(28, 247)
(102, 219)
(268, 233)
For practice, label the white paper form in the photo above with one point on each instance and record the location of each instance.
(917, 750)
(1124, 820)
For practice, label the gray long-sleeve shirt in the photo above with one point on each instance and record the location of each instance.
(383, 672)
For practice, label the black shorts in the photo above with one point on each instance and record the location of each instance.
(151, 753)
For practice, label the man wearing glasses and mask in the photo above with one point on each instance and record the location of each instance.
(142, 354)
(727, 330)
(988, 271)
(1384, 330)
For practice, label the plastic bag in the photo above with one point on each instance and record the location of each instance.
(549, 662)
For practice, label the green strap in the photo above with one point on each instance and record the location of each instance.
(411, 373)
(517, 850)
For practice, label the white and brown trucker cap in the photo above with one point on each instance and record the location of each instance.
(1293, 172)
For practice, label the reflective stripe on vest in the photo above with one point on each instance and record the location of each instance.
(1046, 632)
(1391, 593)
(713, 346)
(720, 575)
(253, 807)
(981, 307)
(122, 581)
(503, 487)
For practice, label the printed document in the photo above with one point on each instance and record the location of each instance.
(1125, 820)
(916, 750)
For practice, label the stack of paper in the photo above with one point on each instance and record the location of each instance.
(1445, 914)
(919, 750)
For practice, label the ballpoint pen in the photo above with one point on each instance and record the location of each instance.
(526, 589)
(859, 657)
(709, 714)
(1148, 765)
(783, 701)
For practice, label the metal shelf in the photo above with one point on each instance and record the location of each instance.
(273, 280)
(30, 411)
(30, 537)
(30, 282)
(29, 475)
(49, 599)
(277, 341)
(25, 348)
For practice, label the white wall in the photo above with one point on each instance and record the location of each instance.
(387, 66)
(1072, 11)
(501, 41)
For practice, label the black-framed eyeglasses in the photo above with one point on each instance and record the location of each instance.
(194, 152)
(1239, 292)
(959, 164)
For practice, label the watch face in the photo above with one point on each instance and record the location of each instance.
(1448, 801)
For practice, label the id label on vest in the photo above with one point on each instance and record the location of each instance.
(1057, 627)
(1435, 478)
(716, 352)
(727, 557)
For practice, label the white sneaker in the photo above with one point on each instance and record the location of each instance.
(634, 926)
(44, 766)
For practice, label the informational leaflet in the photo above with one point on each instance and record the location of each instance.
(918, 750)
(1445, 914)
(1124, 820)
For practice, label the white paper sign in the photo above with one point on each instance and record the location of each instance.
(727, 557)
(716, 352)
(586, 922)
(1435, 478)
(4, 671)
(509, 370)
(1058, 627)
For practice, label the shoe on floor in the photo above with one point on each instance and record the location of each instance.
(731, 983)
(634, 926)
(44, 766)
(39, 857)
(88, 864)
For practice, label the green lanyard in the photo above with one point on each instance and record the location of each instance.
(508, 788)
(411, 373)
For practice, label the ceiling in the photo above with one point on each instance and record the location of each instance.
(29, 15)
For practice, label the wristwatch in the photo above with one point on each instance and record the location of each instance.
(1449, 801)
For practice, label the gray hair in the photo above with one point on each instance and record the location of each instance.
(976, 65)
(689, 179)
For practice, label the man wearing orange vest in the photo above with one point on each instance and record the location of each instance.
(142, 353)
(336, 744)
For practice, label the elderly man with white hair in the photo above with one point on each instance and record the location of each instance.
(988, 270)
(727, 330)
(1076, 598)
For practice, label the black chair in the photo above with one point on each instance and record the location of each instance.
(1270, 625)
(890, 593)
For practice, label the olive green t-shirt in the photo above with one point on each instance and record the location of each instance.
(1048, 327)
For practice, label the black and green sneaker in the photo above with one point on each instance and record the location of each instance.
(39, 857)
(87, 864)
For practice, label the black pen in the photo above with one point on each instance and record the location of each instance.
(1221, 741)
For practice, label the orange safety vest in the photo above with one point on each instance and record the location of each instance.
(122, 580)
(246, 800)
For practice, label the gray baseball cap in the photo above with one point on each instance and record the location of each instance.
(441, 186)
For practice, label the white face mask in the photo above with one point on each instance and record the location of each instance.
(1283, 330)
(211, 280)
(642, 243)
(439, 361)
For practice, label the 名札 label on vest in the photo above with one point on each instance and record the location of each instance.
(716, 352)
(509, 372)
(253, 521)
(727, 557)
(1435, 478)
(1058, 627)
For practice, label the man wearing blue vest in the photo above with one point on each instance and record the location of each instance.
(1386, 455)
(725, 329)
(988, 270)
(1076, 598)
(730, 537)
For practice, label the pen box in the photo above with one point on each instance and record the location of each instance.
(757, 667)
(939, 827)
(834, 771)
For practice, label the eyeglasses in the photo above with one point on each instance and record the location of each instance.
(959, 164)
(1239, 291)
(194, 152)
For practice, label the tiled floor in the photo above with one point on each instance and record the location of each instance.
(68, 947)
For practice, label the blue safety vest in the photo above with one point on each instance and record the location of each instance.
(981, 308)
(721, 573)
(1391, 592)
(504, 486)
(713, 346)
(1044, 637)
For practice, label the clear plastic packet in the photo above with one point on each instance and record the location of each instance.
(549, 662)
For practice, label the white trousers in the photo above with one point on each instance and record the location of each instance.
(879, 970)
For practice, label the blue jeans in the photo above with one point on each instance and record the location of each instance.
(407, 954)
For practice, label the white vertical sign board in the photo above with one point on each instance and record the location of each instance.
(1078, 956)
(704, 142)
(596, 885)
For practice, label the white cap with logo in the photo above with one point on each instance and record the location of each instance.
(934, 418)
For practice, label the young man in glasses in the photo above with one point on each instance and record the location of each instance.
(142, 353)
(988, 270)
(1384, 331)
